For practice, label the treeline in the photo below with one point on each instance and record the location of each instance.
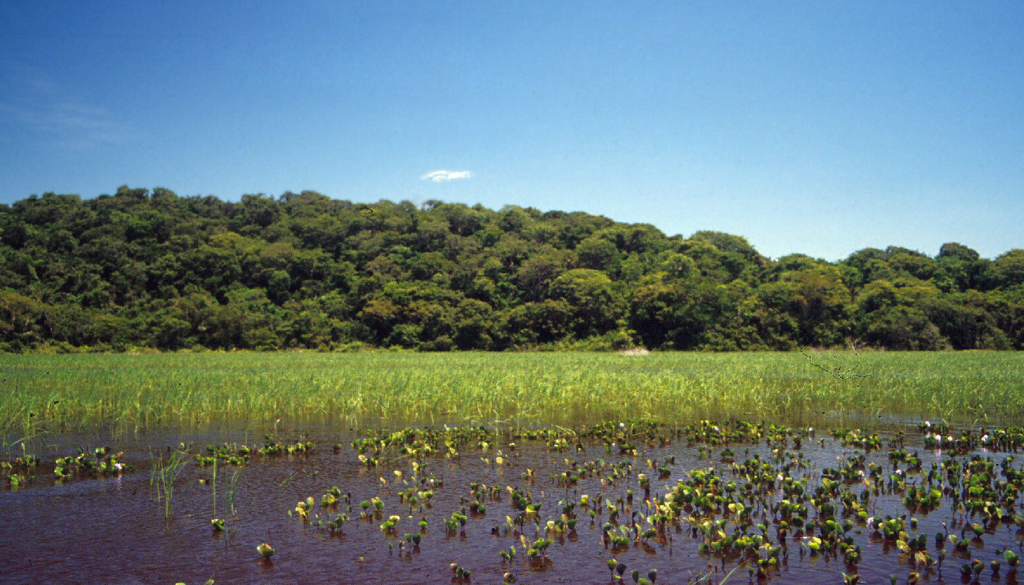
(150, 269)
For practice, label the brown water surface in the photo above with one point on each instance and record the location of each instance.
(113, 530)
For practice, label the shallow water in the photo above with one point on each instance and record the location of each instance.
(113, 530)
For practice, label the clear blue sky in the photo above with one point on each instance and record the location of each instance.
(815, 127)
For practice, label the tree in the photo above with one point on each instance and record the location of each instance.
(20, 317)
(902, 328)
(1010, 268)
(816, 301)
(532, 324)
(699, 314)
(598, 253)
(537, 272)
(595, 302)
(916, 265)
(730, 244)
(964, 321)
(955, 251)
(870, 264)
(408, 314)
(474, 325)
(154, 269)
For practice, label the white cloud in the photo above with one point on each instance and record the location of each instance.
(442, 175)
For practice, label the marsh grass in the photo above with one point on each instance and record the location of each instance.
(232, 490)
(129, 393)
(213, 485)
(162, 478)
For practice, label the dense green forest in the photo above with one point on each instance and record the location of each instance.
(151, 269)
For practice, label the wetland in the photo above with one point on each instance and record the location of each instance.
(413, 468)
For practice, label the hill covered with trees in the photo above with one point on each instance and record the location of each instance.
(151, 269)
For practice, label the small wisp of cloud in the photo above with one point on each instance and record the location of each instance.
(47, 110)
(442, 176)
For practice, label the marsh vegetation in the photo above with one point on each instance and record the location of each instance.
(527, 468)
(131, 393)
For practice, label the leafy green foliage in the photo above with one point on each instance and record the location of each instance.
(150, 269)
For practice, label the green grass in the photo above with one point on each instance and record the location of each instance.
(128, 393)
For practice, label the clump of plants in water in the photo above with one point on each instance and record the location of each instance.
(755, 509)
(732, 495)
(233, 454)
(17, 473)
(266, 551)
(101, 461)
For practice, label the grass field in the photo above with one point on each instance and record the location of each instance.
(128, 393)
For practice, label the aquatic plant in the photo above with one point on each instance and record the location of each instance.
(214, 488)
(163, 475)
(304, 507)
(233, 490)
(460, 573)
(191, 389)
(826, 499)
(265, 550)
(338, 522)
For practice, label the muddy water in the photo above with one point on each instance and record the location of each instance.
(113, 530)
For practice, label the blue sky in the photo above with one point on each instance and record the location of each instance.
(814, 127)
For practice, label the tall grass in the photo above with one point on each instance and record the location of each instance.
(162, 476)
(128, 393)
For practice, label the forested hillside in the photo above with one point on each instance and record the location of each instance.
(151, 269)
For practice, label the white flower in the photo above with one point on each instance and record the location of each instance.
(622, 425)
(984, 439)
(927, 425)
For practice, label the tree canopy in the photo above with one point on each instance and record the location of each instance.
(150, 269)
